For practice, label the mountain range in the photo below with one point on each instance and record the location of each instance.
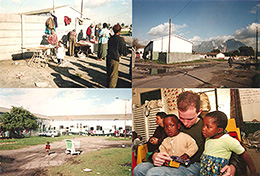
(208, 46)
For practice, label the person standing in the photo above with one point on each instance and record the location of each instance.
(90, 31)
(102, 43)
(72, 41)
(116, 48)
(53, 41)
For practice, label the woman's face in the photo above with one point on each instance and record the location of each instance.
(159, 121)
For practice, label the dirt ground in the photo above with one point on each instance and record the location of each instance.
(32, 160)
(206, 74)
(75, 73)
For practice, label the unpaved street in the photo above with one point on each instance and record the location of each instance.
(212, 74)
(75, 73)
(30, 160)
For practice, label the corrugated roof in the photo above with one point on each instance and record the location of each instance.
(43, 11)
(93, 117)
(174, 36)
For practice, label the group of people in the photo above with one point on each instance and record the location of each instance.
(202, 141)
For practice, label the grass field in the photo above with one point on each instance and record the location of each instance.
(10, 144)
(112, 161)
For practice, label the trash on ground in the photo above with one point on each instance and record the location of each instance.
(87, 170)
(41, 84)
(19, 75)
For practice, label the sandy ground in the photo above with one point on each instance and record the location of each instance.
(208, 74)
(75, 73)
(32, 160)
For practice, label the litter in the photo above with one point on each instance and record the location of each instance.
(19, 75)
(87, 170)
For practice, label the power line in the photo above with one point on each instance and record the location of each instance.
(182, 9)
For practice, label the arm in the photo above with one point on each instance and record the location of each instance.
(250, 164)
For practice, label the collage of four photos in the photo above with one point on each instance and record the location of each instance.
(129, 87)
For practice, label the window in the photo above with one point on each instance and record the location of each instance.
(152, 95)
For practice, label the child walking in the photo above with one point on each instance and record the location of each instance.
(60, 53)
(177, 143)
(219, 146)
(48, 148)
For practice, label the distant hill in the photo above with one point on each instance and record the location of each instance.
(207, 46)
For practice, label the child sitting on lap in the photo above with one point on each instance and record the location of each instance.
(219, 146)
(177, 143)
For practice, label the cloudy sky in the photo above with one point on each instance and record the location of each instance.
(97, 10)
(196, 20)
(51, 102)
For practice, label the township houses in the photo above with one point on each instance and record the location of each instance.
(27, 29)
(180, 49)
(98, 124)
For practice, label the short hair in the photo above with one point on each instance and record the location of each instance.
(104, 25)
(188, 99)
(219, 117)
(161, 114)
(174, 116)
(116, 28)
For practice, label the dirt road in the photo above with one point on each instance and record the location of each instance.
(29, 161)
(210, 74)
(76, 73)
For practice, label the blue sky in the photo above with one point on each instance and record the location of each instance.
(97, 10)
(68, 101)
(197, 20)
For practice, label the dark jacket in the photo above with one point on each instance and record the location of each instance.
(116, 48)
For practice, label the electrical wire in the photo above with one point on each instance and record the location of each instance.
(182, 9)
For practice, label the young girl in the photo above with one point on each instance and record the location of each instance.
(60, 53)
(48, 148)
(219, 146)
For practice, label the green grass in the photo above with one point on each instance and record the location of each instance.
(118, 139)
(10, 144)
(112, 161)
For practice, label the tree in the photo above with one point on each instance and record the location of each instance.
(18, 120)
(246, 51)
(136, 44)
(215, 51)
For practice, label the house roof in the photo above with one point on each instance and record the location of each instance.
(45, 11)
(173, 35)
(93, 117)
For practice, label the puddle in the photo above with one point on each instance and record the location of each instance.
(156, 71)
(190, 66)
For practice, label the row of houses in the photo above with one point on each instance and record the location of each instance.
(97, 124)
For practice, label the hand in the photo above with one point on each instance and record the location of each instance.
(160, 158)
(228, 170)
(154, 141)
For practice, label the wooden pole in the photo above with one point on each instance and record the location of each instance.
(81, 9)
(53, 6)
(169, 47)
(256, 49)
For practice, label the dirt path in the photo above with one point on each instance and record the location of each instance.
(208, 74)
(75, 73)
(29, 161)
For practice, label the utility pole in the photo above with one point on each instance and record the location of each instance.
(81, 15)
(54, 6)
(256, 49)
(169, 46)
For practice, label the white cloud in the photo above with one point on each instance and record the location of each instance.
(16, 1)
(254, 10)
(163, 29)
(93, 3)
(51, 102)
(248, 32)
